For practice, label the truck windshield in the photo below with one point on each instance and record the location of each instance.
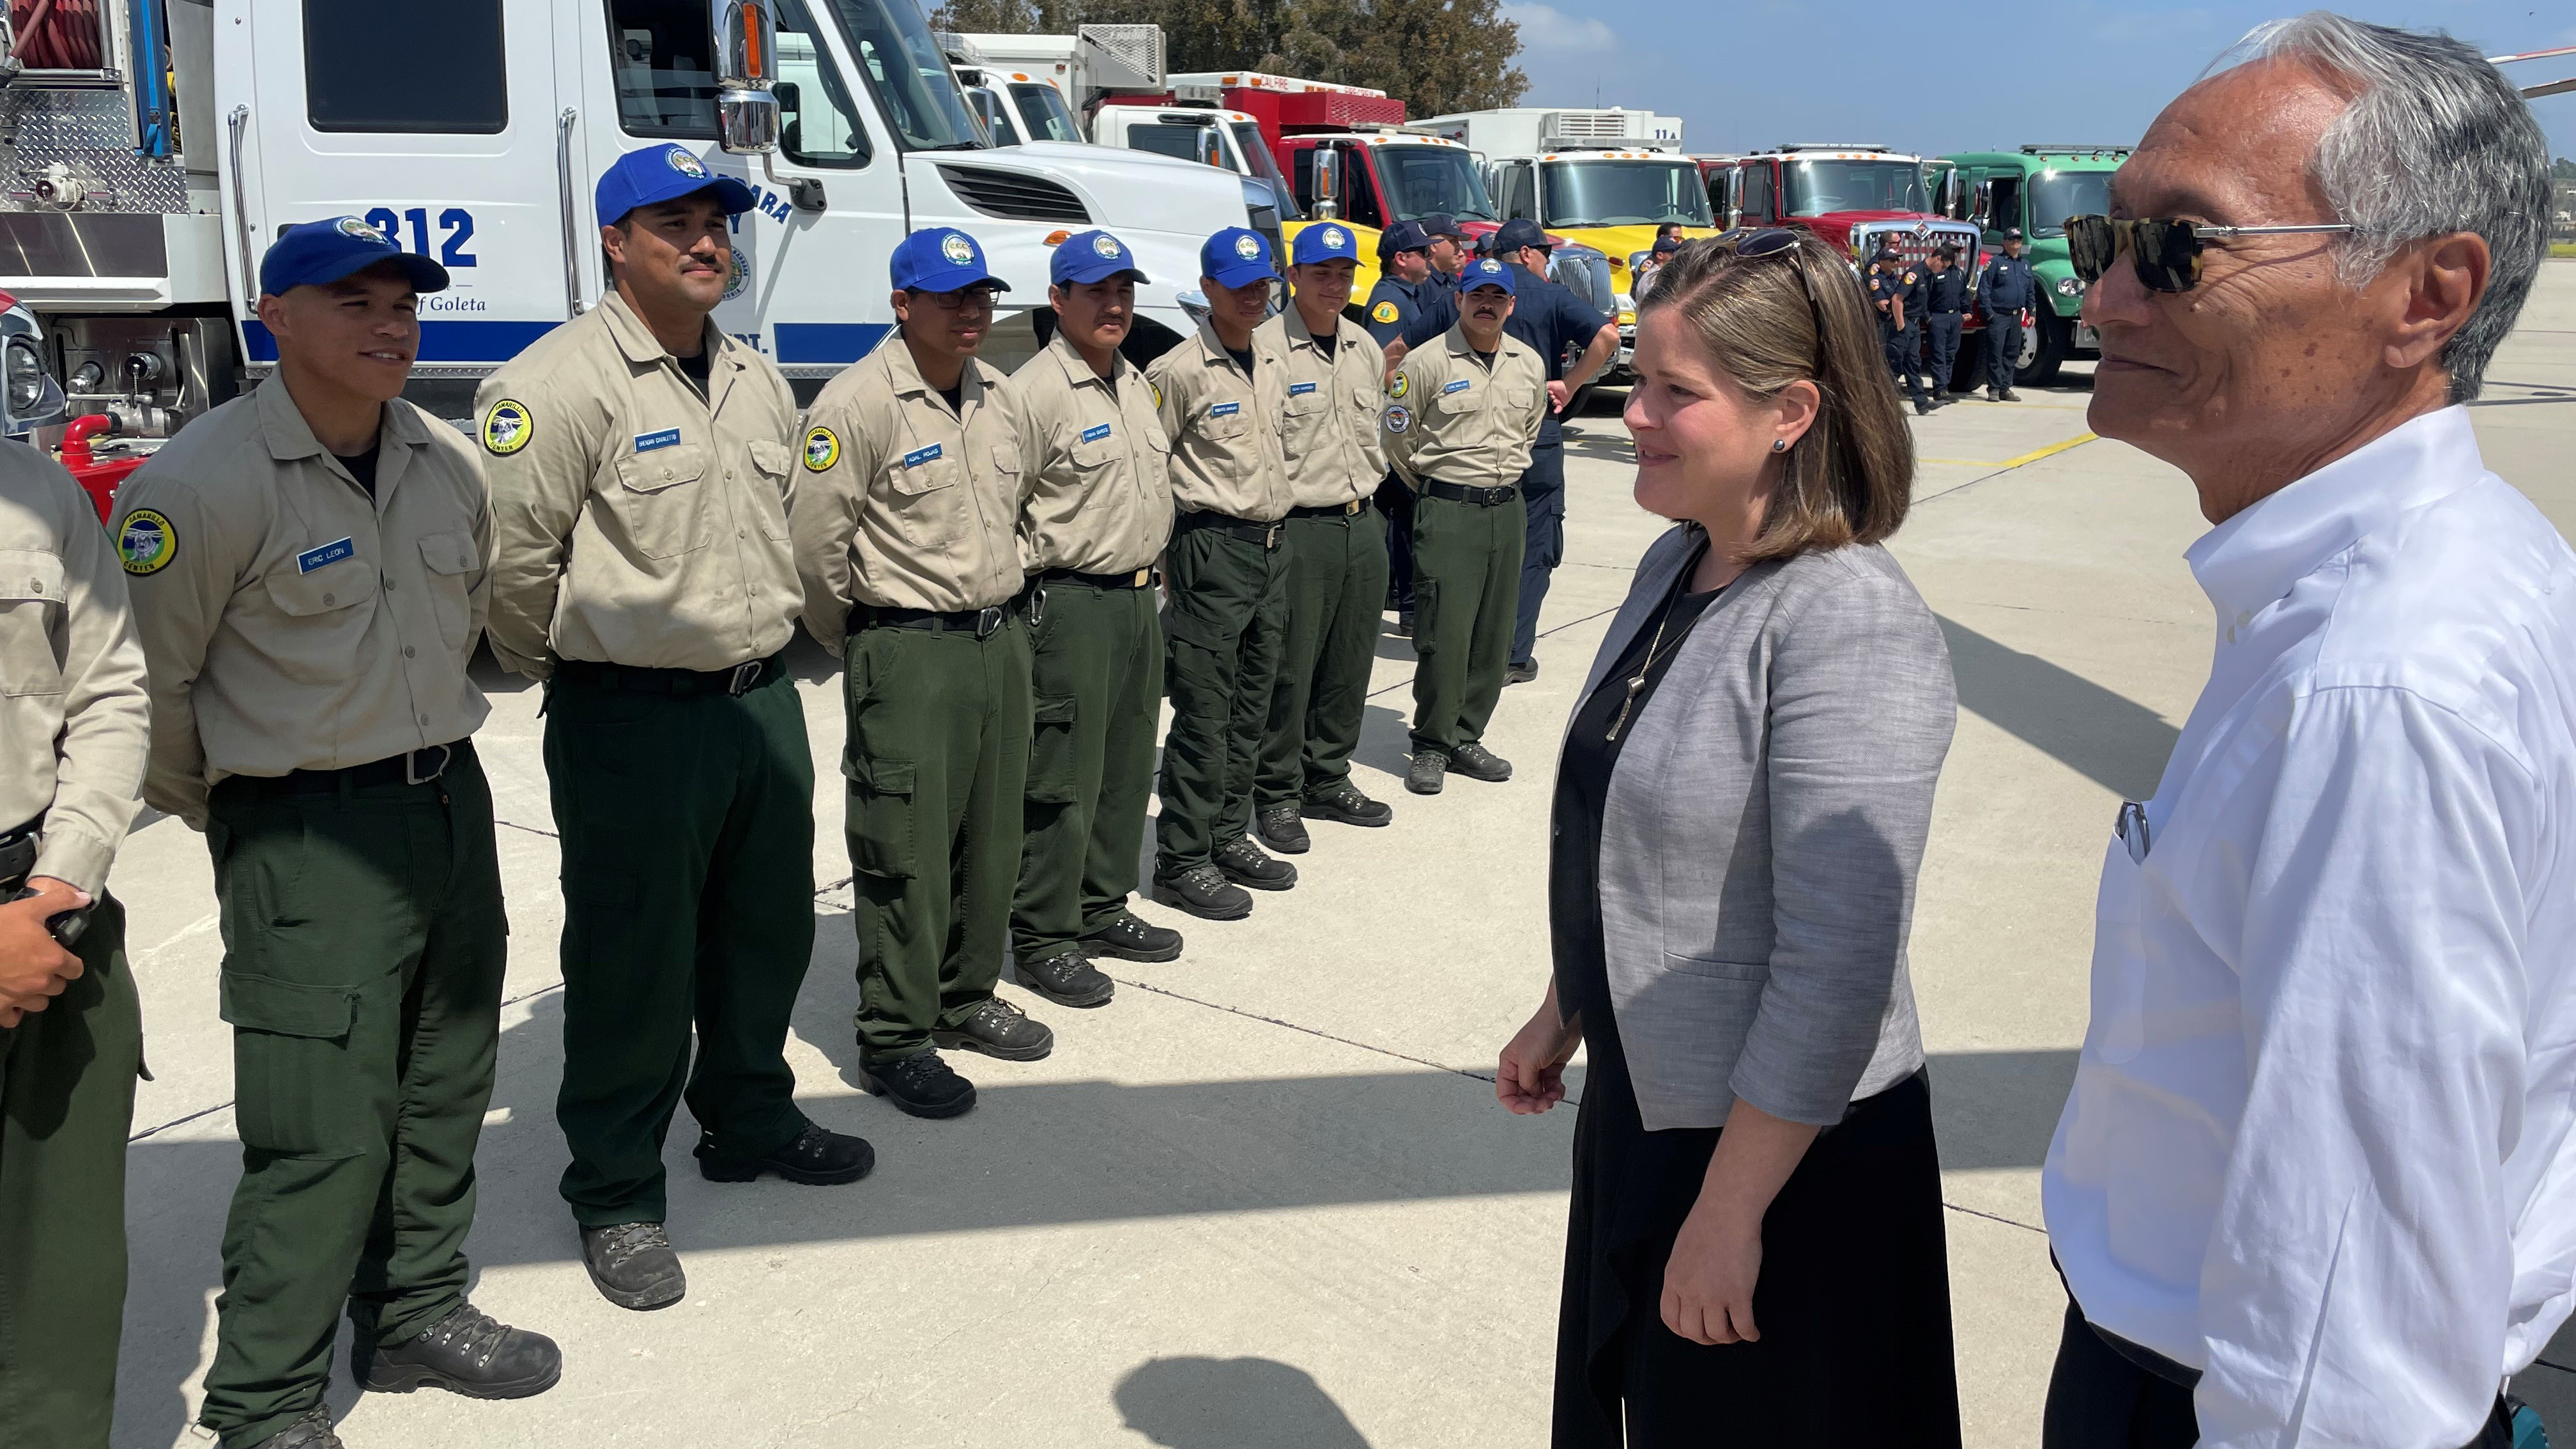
(908, 74)
(2057, 195)
(1042, 106)
(1621, 193)
(1422, 180)
(1819, 187)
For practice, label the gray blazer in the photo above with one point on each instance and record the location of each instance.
(1762, 834)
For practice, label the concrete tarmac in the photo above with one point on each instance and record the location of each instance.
(1265, 1199)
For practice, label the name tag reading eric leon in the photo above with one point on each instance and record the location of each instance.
(1095, 432)
(919, 456)
(329, 553)
(647, 442)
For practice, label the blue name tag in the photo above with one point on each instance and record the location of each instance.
(919, 456)
(1095, 432)
(1225, 410)
(329, 553)
(1300, 389)
(1459, 386)
(647, 442)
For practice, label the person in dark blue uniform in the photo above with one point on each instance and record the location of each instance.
(1450, 249)
(1945, 306)
(1891, 291)
(1553, 322)
(1405, 283)
(2006, 292)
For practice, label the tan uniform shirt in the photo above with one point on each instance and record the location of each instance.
(1224, 426)
(290, 621)
(1099, 467)
(1449, 419)
(74, 719)
(636, 521)
(1329, 433)
(905, 504)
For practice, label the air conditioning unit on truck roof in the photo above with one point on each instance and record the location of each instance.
(132, 245)
(1528, 130)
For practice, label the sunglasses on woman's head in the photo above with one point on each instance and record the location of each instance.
(2166, 252)
(1781, 241)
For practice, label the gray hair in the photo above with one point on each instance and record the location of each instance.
(2436, 141)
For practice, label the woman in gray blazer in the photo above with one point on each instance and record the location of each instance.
(1756, 1252)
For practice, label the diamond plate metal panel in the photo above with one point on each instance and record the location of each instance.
(92, 133)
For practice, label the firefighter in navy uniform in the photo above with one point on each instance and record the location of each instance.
(2005, 293)
(1945, 306)
(1407, 281)
(1892, 291)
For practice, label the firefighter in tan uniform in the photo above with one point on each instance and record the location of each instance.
(73, 725)
(641, 474)
(907, 541)
(1221, 394)
(1461, 418)
(1335, 544)
(309, 570)
(1099, 511)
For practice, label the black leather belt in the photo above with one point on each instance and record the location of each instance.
(1267, 534)
(983, 623)
(736, 681)
(1338, 510)
(1143, 578)
(1481, 497)
(414, 767)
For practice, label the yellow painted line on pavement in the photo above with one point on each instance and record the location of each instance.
(2079, 440)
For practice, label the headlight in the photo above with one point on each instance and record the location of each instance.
(1628, 317)
(1622, 303)
(26, 378)
(2070, 286)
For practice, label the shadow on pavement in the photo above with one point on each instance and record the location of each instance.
(2118, 743)
(1232, 1403)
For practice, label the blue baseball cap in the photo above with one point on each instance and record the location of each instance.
(658, 173)
(1487, 272)
(1520, 232)
(1441, 223)
(1237, 257)
(318, 252)
(1323, 242)
(941, 259)
(1091, 256)
(1404, 236)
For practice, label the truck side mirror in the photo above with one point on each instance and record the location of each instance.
(1328, 184)
(1984, 204)
(1205, 149)
(746, 61)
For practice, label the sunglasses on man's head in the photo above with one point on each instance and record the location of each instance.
(2166, 252)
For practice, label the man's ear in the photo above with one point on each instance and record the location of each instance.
(2439, 282)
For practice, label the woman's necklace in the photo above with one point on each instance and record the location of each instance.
(1655, 653)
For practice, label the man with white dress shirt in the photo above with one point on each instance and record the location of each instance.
(2314, 1184)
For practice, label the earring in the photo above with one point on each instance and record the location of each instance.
(1779, 445)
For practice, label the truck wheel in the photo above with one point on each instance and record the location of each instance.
(2043, 349)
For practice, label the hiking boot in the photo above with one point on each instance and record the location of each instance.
(632, 1265)
(1345, 803)
(2008, 395)
(920, 1084)
(998, 1029)
(1478, 763)
(819, 1157)
(1131, 939)
(1404, 624)
(313, 1431)
(466, 1353)
(1068, 979)
(1203, 891)
(1283, 829)
(1246, 864)
(1922, 406)
(1428, 772)
(1520, 673)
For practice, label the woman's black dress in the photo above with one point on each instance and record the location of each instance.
(1853, 1302)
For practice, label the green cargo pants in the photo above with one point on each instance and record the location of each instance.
(1337, 569)
(66, 1106)
(1097, 676)
(363, 952)
(1466, 589)
(1227, 628)
(688, 879)
(937, 757)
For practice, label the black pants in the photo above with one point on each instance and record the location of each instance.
(2003, 345)
(2098, 1399)
(1396, 502)
(1941, 348)
(1902, 346)
(1543, 532)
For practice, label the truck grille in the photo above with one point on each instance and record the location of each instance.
(1916, 239)
(1014, 196)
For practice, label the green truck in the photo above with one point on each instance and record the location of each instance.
(2035, 188)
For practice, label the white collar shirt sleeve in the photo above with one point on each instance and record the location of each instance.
(2318, 1145)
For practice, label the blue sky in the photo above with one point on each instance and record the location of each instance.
(1753, 73)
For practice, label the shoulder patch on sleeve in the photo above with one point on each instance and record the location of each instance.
(507, 427)
(145, 542)
(822, 450)
(1384, 312)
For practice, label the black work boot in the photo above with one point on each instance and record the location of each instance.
(632, 1265)
(1246, 864)
(2008, 395)
(920, 1084)
(1404, 624)
(819, 1157)
(1283, 829)
(466, 1353)
(1520, 673)
(1476, 762)
(998, 1029)
(1203, 891)
(1068, 979)
(1922, 406)
(1130, 939)
(313, 1431)
(1428, 772)
(1347, 804)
